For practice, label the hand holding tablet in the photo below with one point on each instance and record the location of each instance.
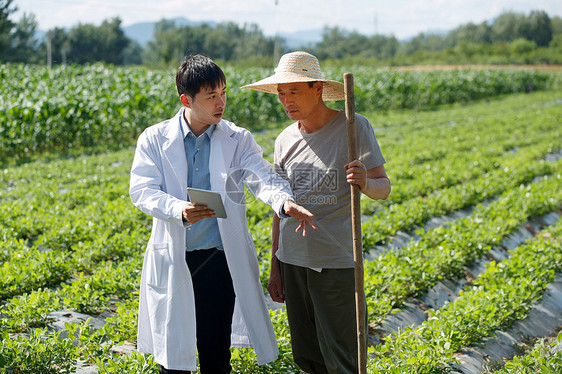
(211, 199)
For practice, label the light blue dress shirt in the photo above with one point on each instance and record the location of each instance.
(203, 234)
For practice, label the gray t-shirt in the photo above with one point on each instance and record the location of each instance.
(313, 164)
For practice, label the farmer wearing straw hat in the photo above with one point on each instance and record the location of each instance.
(314, 275)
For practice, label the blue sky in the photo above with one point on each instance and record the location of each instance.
(401, 18)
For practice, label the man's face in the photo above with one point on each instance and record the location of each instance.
(299, 99)
(207, 107)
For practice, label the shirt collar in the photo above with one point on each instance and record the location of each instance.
(186, 130)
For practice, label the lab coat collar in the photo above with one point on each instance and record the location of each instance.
(174, 150)
(174, 131)
(223, 147)
(185, 129)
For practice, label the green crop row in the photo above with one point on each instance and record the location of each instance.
(517, 168)
(541, 359)
(64, 219)
(459, 151)
(68, 108)
(60, 189)
(76, 215)
(416, 89)
(502, 294)
(58, 232)
(444, 252)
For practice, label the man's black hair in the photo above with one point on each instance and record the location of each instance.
(197, 72)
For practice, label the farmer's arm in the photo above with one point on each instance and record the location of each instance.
(373, 182)
(274, 286)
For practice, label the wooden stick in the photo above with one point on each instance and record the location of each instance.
(356, 223)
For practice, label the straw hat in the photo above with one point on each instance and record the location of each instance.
(299, 67)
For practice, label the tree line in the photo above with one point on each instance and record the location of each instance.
(510, 38)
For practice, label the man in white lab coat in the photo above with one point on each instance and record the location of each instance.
(200, 289)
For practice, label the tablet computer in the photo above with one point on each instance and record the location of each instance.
(211, 199)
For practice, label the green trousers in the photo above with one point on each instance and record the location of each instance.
(321, 314)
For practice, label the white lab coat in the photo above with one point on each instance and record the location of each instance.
(159, 188)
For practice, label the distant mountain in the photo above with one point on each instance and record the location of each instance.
(305, 38)
(39, 35)
(140, 32)
(143, 32)
(440, 32)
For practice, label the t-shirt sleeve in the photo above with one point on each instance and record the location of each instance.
(368, 149)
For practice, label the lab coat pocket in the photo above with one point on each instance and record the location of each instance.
(158, 263)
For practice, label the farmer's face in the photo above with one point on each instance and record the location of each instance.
(299, 100)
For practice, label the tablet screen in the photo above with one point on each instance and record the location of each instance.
(211, 199)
